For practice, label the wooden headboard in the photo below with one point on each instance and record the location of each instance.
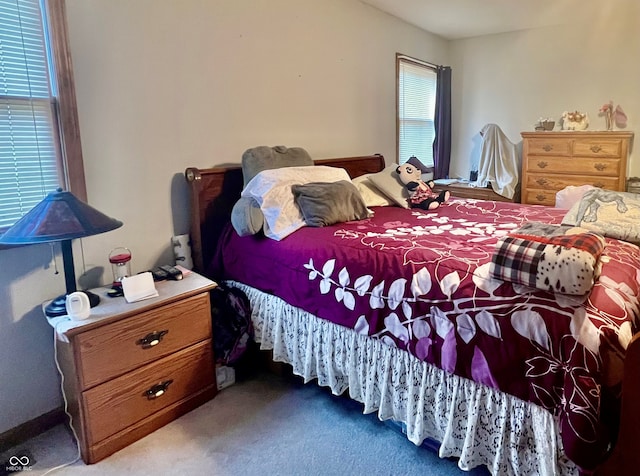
(214, 191)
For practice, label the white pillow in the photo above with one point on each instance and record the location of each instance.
(271, 189)
(388, 182)
(371, 195)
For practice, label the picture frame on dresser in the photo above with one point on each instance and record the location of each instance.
(552, 161)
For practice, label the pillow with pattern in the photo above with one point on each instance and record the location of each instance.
(555, 258)
(612, 214)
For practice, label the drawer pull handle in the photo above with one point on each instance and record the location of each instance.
(600, 167)
(157, 390)
(547, 147)
(152, 339)
(598, 184)
(596, 148)
(542, 181)
(540, 197)
(542, 164)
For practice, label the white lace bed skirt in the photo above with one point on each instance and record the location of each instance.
(477, 424)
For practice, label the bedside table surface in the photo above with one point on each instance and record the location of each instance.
(466, 190)
(131, 368)
(116, 308)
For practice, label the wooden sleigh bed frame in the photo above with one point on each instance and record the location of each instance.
(213, 194)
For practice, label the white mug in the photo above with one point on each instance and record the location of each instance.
(78, 306)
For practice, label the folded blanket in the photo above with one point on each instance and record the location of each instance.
(555, 258)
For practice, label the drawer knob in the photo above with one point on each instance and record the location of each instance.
(595, 149)
(157, 390)
(540, 197)
(600, 167)
(542, 181)
(542, 164)
(152, 339)
(547, 147)
(598, 184)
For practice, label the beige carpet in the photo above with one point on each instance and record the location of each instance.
(266, 425)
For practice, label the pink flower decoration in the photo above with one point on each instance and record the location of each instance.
(607, 107)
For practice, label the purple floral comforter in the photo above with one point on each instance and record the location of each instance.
(420, 281)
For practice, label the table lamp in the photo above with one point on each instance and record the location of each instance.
(62, 217)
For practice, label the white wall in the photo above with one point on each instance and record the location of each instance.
(166, 84)
(513, 79)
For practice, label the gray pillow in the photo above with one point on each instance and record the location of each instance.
(247, 217)
(261, 158)
(325, 203)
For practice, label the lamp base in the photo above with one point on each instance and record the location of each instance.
(58, 307)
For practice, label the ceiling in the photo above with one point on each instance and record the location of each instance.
(456, 19)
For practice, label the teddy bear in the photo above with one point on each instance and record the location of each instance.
(421, 194)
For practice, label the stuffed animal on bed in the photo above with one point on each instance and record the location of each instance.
(421, 194)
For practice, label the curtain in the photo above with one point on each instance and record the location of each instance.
(442, 141)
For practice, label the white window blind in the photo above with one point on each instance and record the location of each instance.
(28, 131)
(416, 111)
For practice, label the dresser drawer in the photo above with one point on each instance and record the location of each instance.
(598, 147)
(121, 402)
(550, 146)
(540, 197)
(558, 182)
(117, 348)
(574, 165)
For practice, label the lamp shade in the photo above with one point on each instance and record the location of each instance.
(59, 216)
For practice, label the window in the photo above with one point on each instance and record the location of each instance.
(40, 146)
(416, 102)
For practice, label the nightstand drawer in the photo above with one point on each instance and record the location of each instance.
(117, 348)
(121, 402)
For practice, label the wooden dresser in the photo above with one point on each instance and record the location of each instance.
(130, 368)
(552, 161)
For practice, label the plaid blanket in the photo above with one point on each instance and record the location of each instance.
(555, 258)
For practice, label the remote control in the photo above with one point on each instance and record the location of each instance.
(172, 272)
(159, 274)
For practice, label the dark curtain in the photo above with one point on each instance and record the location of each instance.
(442, 141)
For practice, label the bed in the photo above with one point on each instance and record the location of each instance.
(401, 311)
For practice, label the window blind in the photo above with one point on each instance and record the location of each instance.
(28, 132)
(416, 111)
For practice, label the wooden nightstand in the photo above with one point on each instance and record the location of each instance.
(463, 190)
(131, 368)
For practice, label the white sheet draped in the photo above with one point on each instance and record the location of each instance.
(499, 162)
(473, 422)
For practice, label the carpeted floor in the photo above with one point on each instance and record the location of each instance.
(264, 425)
